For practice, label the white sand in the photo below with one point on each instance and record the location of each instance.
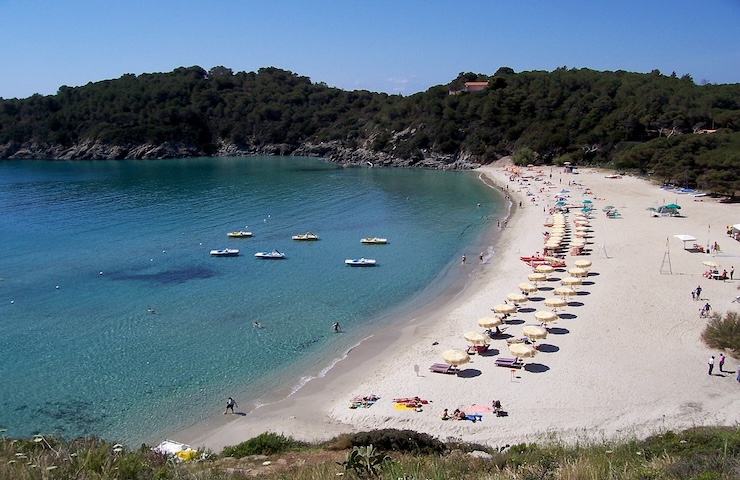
(628, 361)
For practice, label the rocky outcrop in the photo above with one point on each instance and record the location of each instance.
(333, 151)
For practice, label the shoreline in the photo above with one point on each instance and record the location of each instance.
(603, 374)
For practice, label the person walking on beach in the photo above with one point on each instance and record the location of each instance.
(698, 292)
(480, 257)
(693, 295)
(738, 374)
(732, 272)
(230, 404)
(463, 259)
(721, 362)
(711, 364)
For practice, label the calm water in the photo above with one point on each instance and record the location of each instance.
(87, 247)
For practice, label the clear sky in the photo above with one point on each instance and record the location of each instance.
(399, 46)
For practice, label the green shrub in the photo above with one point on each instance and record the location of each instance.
(264, 444)
(406, 441)
(723, 333)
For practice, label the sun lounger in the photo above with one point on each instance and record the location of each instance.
(508, 362)
(442, 368)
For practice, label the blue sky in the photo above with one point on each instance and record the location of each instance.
(389, 46)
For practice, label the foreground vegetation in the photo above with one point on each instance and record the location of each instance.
(698, 453)
(723, 333)
(649, 123)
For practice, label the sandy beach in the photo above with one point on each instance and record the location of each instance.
(624, 359)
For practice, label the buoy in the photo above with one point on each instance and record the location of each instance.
(12, 302)
(101, 272)
(57, 287)
(164, 251)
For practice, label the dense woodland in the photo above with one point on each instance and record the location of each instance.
(646, 123)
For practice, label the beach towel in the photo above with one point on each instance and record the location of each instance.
(476, 409)
(401, 406)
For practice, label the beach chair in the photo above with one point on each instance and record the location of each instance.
(508, 362)
(481, 348)
(442, 368)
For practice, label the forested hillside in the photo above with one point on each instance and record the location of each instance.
(651, 123)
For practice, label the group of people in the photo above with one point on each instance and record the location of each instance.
(458, 414)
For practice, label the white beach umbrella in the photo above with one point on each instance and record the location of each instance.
(476, 338)
(710, 264)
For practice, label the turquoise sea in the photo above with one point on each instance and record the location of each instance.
(87, 247)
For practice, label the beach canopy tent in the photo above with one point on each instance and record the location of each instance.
(685, 238)
(736, 227)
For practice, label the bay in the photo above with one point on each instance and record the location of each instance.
(88, 247)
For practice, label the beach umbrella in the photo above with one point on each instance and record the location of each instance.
(587, 202)
(527, 287)
(537, 277)
(522, 350)
(544, 316)
(672, 206)
(489, 322)
(578, 272)
(505, 308)
(455, 357)
(607, 208)
(552, 259)
(475, 338)
(535, 332)
(581, 228)
(583, 263)
(564, 291)
(581, 234)
(555, 302)
(544, 269)
(570, 281)
(710, 264)
(516, 297)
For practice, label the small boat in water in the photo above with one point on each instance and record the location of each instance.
(360, 262)
(306, 236)
(225, 252)
(270, 255)
(239, 234)
(374, 241)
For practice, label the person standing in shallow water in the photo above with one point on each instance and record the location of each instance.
(230, 404)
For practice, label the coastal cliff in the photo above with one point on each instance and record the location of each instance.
(333, 151)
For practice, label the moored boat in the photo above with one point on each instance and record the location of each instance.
(239, 234)
(306, 236)
(225, 252)
(275, 255)
(374, 241)
(360, 262)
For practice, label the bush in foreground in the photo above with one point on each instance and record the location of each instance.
(723, 333)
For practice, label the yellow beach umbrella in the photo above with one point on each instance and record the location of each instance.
(476, 338)
(527, 287)
(522, 350)
(535, 332)
(455, 357)
(583, 263)
(544, 269)
(565, 291)
(570, 281)
(516, 297)
(578, 272)
(545, 316)
(710, 264)
(489, 322)
(537, 277)
(505, 308)
(555, 302)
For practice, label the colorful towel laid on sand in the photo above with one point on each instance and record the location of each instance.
(403, 406)
(476, 408)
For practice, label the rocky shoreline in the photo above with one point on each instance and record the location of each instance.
(333, 151)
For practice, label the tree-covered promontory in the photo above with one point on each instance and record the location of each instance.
(650, 123)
